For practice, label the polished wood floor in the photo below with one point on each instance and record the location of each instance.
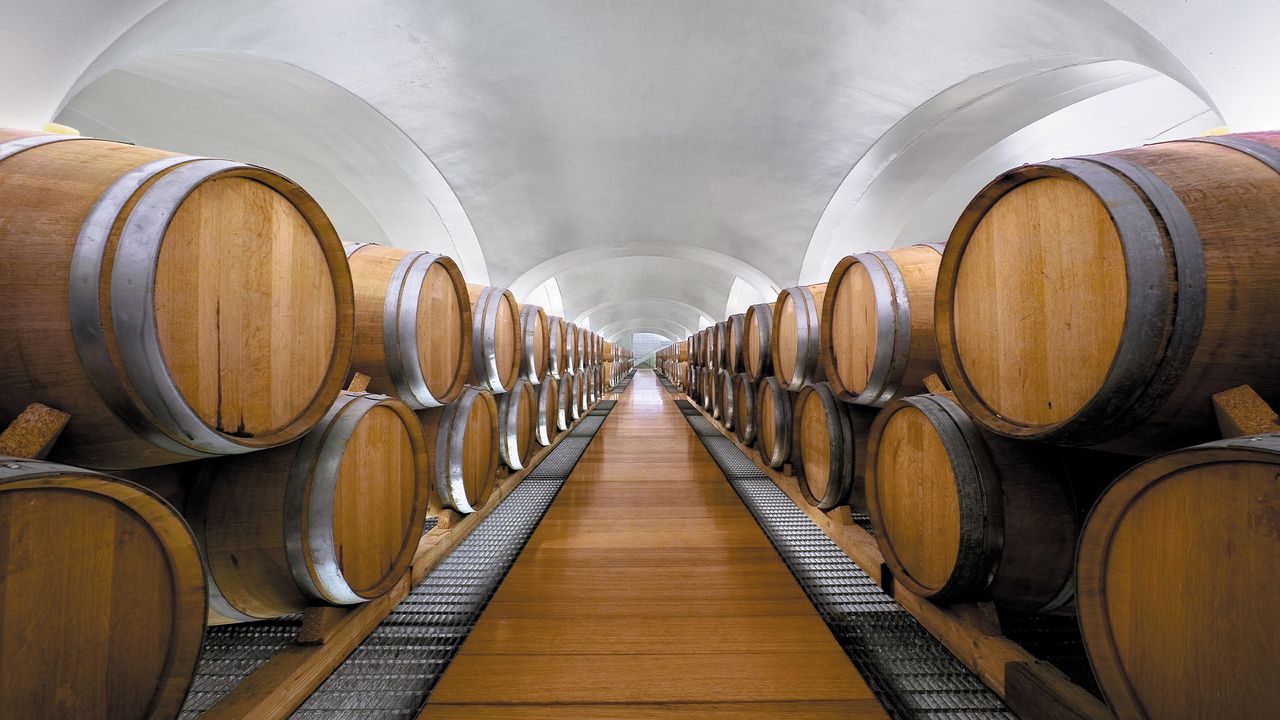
(648, 591)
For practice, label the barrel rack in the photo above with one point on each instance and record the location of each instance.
(1031, 688)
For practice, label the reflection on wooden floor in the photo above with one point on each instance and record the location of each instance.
(648, 591)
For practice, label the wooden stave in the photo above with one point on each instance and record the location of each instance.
(1116, 502)
(396, 370)
(904, 355)
(1150, 400)
(565, 417)
(182, 555)
(139, 418)
(999, 530)
(304, 570)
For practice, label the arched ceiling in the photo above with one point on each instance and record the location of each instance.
(583, 140)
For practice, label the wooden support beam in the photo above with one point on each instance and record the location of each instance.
(1037, 690)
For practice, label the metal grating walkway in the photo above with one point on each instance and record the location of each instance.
(914, 676)
(393, 671)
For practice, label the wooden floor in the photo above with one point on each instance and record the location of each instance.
(648, 591)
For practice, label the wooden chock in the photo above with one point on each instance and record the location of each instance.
(318, 623)
(449, 518)
(934, 384)
(1241, 411)
(359, 383)
(979, 615)
(33, 433)
(842, 514)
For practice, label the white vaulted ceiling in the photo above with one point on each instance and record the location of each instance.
(644, 154)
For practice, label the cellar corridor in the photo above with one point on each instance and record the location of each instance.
(652, 588)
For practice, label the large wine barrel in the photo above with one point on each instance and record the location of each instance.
(1102, 299)
(708, 386)
(495, 338)
(557, 356)
(103, 597)
(877, 340)
(725, 405)
(796, 335)
(829, 448)
(177, 307)
(962, 514)
(720, 345)
(572, 350)
(733, 342)
(462, 450)
(550, 413)
(773, 418)
(569, 400)
(582, 390)
(518, 424)
(331, 519)
(757, 350)
(535, 346)
(413, 324)
(744, 408)
(1177, 584)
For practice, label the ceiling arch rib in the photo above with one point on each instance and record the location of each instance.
(620, 327)
(540, 273)
(644, 303)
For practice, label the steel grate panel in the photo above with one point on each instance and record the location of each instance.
(590, 425)
(230, 654)
(912, 674)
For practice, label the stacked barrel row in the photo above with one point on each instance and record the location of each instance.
(198, 319)
(1083, 312)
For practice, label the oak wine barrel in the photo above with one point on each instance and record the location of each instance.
(829, 448)
(1177, 586)
(518, 424)
(331, 519)
(1100, 300)
(735, 327)
(744, 408)
(103, 597)
(724, 399)
(413, 324)
(877, 340)
(962, 514)
(796, 335)
(550, 413)
(773, 418)
(572, 349)
(105, 318)
(708, 386)
(568, 401)
(557, 355)
(462, 450)
(535, 344)
(757, 331)
(496, 347)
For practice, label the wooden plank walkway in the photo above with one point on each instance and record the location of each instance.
(648, 591)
